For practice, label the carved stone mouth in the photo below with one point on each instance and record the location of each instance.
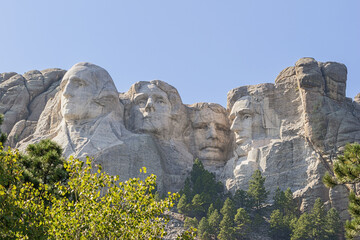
(212, 148)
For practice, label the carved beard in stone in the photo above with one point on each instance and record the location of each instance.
(151, 111)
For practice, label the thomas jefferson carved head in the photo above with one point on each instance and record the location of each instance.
(156, 108)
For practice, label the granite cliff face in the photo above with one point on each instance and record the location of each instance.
(291, 130)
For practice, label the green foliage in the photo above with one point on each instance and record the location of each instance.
(204, 229)
(242, 224)
(257, 189)
(284, 214)
(22, 210)
(228, 208)
(279, 225)
(243, 200)
(302, 228)
(347, 171)
(201, 190)
(227, 230)
(44, 164)
(214, 222)
(182, 205)
(333, 224)
(124, 210)
(353, 226)
(319, 224)
(101, 207)
(3, 136)
(197, 206)
(191, 222)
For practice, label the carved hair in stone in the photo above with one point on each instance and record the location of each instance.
(252, 115)
(88, 92)
(210, 133)
(86, 111)
(156, 108)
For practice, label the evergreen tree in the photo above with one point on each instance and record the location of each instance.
(257, 189)
(214, 222)
(202, 183)
(347, 171)
(318, 220)
(333, 223)
(302, 228)
(228, 208)
(242, 224)
(182, 205)
(279, 199)
(284, 202)
(242, 199)
(211, 209)
(191, 222)
(290, 207)
(204, 229)
(43, 164)
(197, 207)
(227, 231)
(280, 225)
(3, 136)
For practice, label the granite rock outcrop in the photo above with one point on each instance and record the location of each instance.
(291, 130)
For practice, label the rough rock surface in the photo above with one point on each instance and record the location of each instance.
(291, 130)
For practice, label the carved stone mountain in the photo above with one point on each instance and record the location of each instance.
(291, 130)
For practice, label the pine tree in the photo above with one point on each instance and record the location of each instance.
(197, 206)
(191, 222)
(228, 208)
(302, 228)
(242, 224)
(214, 221)
(257, 189)
(227, 231)
(347, 171)
(182, 205)
(333, 224)
(242, 199)
(210, 210)
(43, 164)
(290, 207)
(3, 136)
(318, 220)
(280, 225)
(204, 229)
(284, 202)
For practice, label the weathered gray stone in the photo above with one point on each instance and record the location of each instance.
(292, 130)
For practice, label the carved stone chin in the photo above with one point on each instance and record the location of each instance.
(210, 134)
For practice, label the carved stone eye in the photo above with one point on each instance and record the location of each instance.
(160, 101)
(246, 116)
(141, 102)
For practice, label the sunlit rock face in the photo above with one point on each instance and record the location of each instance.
(155, 108)
(210, 134)
(291, 130)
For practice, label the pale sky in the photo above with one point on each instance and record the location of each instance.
(204, 48)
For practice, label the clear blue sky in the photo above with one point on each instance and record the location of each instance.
(204, 48)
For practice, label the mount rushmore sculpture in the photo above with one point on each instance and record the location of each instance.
(291, 130)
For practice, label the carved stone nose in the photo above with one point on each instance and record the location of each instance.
(149, 105)
(211, 133)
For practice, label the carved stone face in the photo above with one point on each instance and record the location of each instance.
(242, 118)
(86, 92)
(151, 110)
(210, 134)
